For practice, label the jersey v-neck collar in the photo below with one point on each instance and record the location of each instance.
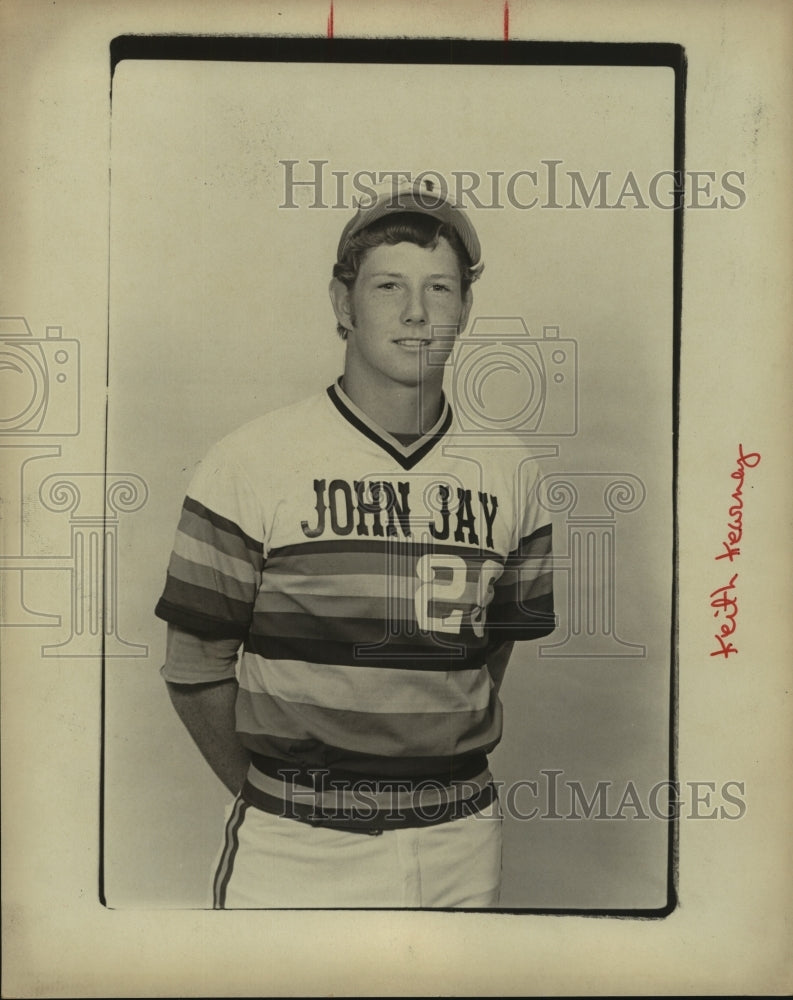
(406, 455)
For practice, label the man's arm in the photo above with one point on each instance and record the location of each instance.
(497, 662)
(207, 711)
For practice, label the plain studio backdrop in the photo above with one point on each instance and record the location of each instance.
(219, 312)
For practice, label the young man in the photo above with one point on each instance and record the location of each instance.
(375, 571)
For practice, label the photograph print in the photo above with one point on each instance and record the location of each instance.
(393, 346)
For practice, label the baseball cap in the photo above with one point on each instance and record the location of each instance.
(421, 195)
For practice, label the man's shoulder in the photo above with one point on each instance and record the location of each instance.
(282, 426)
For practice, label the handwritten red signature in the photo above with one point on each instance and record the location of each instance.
(724, 599)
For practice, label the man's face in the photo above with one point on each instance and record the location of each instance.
(403, 313)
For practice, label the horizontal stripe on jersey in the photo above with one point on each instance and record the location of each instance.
(328, 789)
(201, 564)
(203, 524)
(311, 754)
(387, 655)
(343, 766)
(366, 548)
(209, 613)
(422, 733)
(368, 689)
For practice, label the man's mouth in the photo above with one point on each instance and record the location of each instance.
(412, 342)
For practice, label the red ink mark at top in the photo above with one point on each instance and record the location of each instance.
(330, 21)
(735, 526)
(506, 20)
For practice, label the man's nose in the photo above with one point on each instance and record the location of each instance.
(415, 310)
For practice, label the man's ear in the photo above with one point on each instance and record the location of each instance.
(468, 301)
(342, 306)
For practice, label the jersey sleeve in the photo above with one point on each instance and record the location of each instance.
(194, 659)
(522, 606)
(216, 564)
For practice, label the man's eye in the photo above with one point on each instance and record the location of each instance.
(438, 287)
(387, 285)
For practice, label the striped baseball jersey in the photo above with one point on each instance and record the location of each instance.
(366, 582)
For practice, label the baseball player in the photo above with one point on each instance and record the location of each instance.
(348, 578)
